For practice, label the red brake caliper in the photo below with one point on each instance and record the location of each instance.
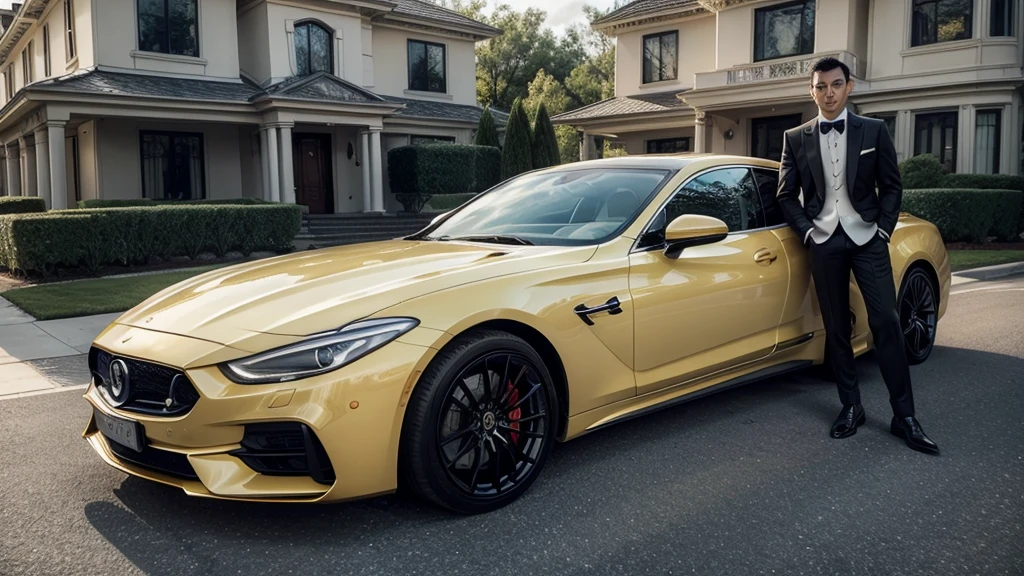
(514, 415)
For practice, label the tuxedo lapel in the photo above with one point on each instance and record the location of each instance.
(812, 148)
(854, 142)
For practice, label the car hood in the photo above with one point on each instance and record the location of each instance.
(315, 291)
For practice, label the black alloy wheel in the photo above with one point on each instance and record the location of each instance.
(480, 423)
(918, 305)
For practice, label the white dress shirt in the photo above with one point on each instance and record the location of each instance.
(838, 208)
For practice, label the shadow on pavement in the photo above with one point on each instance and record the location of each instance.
(744, 480)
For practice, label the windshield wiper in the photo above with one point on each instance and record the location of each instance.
(496, 238)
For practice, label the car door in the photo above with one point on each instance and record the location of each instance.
(714, 306)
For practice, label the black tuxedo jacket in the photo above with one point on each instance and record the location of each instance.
(870, 162)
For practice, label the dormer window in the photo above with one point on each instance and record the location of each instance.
(169, 27)
(784, 30)
(313, 49)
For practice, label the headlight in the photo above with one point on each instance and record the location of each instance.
(319, 354)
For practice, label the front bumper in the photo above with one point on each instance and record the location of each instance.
(354, 413)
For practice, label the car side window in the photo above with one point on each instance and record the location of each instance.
(768, 187)
(728, 194)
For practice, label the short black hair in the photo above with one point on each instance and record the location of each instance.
(829, 63)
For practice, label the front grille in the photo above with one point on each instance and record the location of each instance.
(150, 385)
(170, 463)
(285, 449)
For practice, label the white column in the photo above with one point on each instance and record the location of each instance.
(364, 155)
(275, 178)
(700, 133)
(965, 141)
(264, 165)
(42, 152)
(1009, 147)
(287, 169)
(28, 153)
(13, 170)
(58, 165)
(904, 135)
(377, 169)
(3, 171)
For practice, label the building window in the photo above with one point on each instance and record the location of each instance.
(172, 166)
(935, 134)
(313, 49)
(661, 56)
(668, 145)
(46, 51)
(9, 81)
(890, 123)
(169, 27)
(1001, 23)
(75, 180)
(26, 63)
(784, 30)
(69, 30)
(941, 21)
(986, 141)
(427, 67)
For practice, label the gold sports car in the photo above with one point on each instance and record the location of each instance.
(556, 303)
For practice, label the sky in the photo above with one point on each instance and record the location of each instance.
(560, 12)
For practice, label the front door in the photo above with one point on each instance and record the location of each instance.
(311, 155)
(713, 306)
(767, 133)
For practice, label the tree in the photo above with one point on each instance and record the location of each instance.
(486, 132)
(545, 145)
(469, 8)
(516, 156)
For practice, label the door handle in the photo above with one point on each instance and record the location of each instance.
(612, 306)
(764, 256)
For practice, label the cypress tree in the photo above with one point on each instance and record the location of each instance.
(545, 144)
(486, 132)
(517, 156)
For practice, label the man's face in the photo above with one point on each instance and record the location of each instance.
(830, 91)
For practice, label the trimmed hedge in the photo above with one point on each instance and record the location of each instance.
(967, 215)
(150, 202)
(922, 172)
(989, 182)
(93, 238)
(21, 205)
(419, 172)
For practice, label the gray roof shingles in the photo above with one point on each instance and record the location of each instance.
(626, 105)
(321, 87)
(642, 8)
(431, 11)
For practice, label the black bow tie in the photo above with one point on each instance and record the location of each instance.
(826, 127)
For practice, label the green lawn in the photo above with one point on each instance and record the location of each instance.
(94, 296)
(964, 259)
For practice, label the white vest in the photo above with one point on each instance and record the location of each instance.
(837, 207)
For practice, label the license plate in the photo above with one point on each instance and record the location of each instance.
(125, 432)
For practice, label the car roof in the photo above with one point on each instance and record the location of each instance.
(668, 161)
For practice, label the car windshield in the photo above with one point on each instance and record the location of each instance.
(561, 208)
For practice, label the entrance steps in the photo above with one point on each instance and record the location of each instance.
(323, 230)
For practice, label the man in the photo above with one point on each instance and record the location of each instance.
(833, 164)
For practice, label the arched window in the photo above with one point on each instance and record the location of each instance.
(313, 49)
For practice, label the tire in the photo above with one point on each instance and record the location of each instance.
(469, 452)
(917, 303)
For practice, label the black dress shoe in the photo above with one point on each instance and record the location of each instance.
(910, 430)
(846, 423)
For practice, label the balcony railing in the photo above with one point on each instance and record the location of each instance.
(771, 71)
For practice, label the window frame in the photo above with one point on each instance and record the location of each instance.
(330, 47)
(70, 48)
(167, 19)
(1009, 19)
(915, 36)
(26, 63)
(766, 9)
(955, 115)
(639, 244)
(171, 134)
(687, 139)
(46, 51)
(426, 47)
(644, 68)
(998, 112)
(9, 81)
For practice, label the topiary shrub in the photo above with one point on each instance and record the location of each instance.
(419, 172)
(21, 205)
(921, 172)
(93, 238)
(545, 144)
(487, 168)
(517, 155)
(964, 215)
(486, 131)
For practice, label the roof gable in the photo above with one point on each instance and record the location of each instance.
(320, 86)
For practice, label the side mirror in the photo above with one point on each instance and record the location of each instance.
(694, 230)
